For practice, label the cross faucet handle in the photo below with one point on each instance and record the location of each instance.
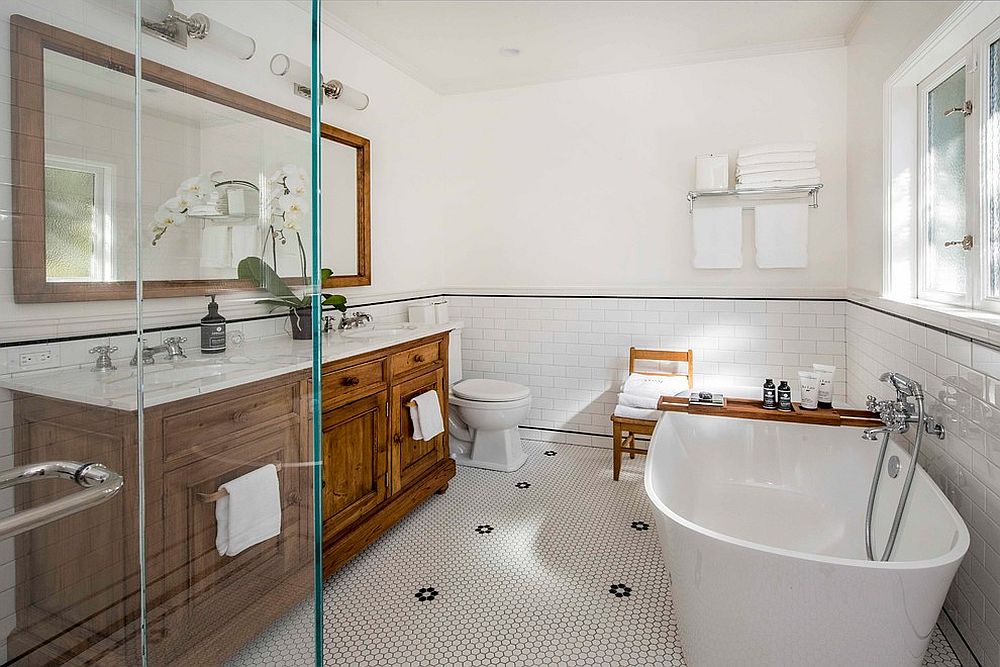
(103, 363)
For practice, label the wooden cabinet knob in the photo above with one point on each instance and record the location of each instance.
(239, 417)
(294, 499)
(350, 381)
(397, 438)
(419, 358)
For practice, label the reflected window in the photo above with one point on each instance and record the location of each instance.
(78, 220)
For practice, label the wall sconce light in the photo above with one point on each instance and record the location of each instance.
(162, 21)
(299, 75)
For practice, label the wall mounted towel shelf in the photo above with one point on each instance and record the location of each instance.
(812, 191)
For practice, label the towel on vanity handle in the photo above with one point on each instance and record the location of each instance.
(718, 237)
(250, 513)
(782, 235)
(425, 413)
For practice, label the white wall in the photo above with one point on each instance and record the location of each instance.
(583, 183)
(886, 35)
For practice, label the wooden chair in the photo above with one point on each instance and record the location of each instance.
(625, 428)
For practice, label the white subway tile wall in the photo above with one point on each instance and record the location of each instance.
(962, 382)
(573, 351)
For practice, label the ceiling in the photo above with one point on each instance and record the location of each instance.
(454, 46)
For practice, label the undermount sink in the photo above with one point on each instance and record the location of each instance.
(378, 331)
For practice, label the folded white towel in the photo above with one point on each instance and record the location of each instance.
(781, 176)
(777, 184)
(653, 386)
(763, 149)
(717, 232)
(636, 413)
(773, 166)
(250, 513)
(775, 158)
(425, 413)
(782, 235)
(638, 401)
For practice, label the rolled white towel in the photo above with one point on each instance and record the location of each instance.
(638, 401)
(774, 166)
(787, 147)
(775, 158)
(638, 384)
(781, 176)
(636, 413)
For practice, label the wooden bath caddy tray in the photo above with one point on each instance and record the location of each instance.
(745, 408)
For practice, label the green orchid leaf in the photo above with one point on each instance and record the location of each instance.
(278, 303)
(336, 300)
(259, 273)
(325, 274)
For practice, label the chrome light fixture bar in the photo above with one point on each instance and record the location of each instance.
(162, 21)
(298, 74)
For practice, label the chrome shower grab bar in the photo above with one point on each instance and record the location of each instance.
(99, 485)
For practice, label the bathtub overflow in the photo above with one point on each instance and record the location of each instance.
(893, 466)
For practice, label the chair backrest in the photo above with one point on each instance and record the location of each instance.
(635, 354)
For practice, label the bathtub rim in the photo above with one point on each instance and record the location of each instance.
(955, 553)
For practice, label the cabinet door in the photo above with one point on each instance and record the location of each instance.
(410, 458)
(355, 451)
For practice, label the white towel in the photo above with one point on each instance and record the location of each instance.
(636, 413)
(638, 401)
(777, 184)
(782, 235)
(772, 167)
(653, 386)
(778, 177)
(718, 237)
(775, 158)
(425, 413)
(250, 513)
(764, 149)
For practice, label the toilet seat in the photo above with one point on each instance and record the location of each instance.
(489, 391)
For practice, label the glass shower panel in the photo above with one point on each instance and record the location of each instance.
(70, 536)
(224, 208)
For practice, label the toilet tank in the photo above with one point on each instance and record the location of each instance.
(455, 354)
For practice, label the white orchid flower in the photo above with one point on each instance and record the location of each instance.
(165, 217)
(177, 204)
(293, 223)
(196, 187)
(291, 205)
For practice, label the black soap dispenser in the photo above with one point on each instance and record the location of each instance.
(213, 330)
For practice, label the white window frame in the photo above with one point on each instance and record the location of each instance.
(982, 298)
(103, 264)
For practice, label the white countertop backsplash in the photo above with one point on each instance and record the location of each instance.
(251, 361)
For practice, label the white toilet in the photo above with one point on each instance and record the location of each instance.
(483, 417)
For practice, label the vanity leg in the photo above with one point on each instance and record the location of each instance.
(442, 490)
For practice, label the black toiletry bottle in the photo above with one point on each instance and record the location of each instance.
(770, 396)
(784, 397)
(213, 330)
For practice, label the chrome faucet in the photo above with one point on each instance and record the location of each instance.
(355, 321)
(171, 346)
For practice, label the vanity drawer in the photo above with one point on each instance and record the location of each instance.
(194, 429)
(347, 384)
(417, 358)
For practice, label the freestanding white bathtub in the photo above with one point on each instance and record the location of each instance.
(762, 525)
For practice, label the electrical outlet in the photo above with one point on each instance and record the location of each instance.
(35, 359)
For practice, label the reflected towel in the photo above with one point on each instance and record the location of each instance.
(425, 413)
(652, 386)
(718, 237)
(250, 513)
(636, 413)
(782, 235)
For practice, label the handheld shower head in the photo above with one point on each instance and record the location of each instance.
(903, 385)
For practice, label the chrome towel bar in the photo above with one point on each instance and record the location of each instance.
(812, 191)
(100, 484)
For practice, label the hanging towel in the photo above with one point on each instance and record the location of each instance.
(250, 513)
(652, 386)
(718, 237)
(764, 149)
(782, 235)
(775, 158)
(215, 246)
(425, 413)
(772, 167)
(778, 177)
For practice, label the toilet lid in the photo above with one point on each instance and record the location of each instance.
(490, 390)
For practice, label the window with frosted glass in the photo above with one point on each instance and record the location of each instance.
(945, 269)
(70, 210)
(992, 183)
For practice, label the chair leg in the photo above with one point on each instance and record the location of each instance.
(631, 455)
(617, 437)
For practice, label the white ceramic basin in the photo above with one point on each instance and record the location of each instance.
(164, 375)
(378, 332)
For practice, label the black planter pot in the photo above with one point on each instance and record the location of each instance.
(301, 319)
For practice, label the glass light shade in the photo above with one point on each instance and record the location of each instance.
(350, 96)
(290, 69)
(224, 38)
(156, 11)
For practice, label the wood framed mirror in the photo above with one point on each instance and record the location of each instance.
(217, 175)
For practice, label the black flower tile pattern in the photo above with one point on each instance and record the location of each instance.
(533, 596)
(484, 530)
(640, 525)
(549, 453)
(426, 594)
(620, 591)
(523, 485)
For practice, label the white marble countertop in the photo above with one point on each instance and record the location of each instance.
(165, 382)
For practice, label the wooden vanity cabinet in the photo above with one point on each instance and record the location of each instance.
(374, 471)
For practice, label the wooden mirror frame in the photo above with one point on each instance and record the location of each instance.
(29, 39)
